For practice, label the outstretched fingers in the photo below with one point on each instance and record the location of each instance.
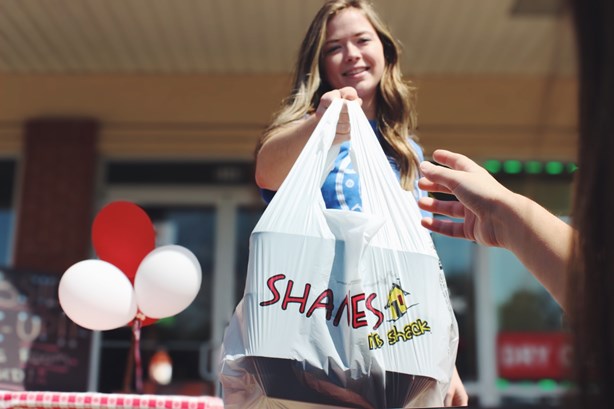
(445, 227)
(447, 178)
(450, 208)
(438, 178)
(430, 186)
(454, 160)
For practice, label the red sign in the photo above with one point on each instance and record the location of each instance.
(533, 355)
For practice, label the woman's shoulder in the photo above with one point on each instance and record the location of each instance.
(416, 147)
(411, 139)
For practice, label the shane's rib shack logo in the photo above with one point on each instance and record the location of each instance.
(397, 302)
(354, 309)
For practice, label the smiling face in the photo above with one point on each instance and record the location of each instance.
(353, 54)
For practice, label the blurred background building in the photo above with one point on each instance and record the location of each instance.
(160, 102)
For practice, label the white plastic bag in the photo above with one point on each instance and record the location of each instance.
(341, 308)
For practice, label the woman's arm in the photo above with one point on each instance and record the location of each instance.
(280, 150)
(494, 216)
(281, 147)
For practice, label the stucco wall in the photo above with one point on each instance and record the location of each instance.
(221, 116)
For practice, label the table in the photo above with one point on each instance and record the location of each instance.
(91, 400)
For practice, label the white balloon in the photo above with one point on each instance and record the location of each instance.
(97, 295)
(167, 281)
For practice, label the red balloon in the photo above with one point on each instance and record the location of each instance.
(148, 321)
(123, 234)
(143, 319)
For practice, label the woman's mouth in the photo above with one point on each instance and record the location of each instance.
(355, 71)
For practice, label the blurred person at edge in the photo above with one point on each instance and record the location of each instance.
(348, 53)
(574, 262)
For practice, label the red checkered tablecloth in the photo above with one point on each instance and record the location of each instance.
(69, 400)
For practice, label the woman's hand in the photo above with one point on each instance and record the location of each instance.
(343, 126)
(281, 147)
(457, 395)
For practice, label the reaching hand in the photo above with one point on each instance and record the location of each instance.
(479, 198)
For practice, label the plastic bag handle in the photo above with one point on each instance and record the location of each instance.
(381, 192)
(300, 191)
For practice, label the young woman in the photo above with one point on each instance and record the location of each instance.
(347, 53)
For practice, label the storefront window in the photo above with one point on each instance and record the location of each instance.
(7, 176)
(533, 352)
(180, 336)
(456, 258)
(248, 217)
(532, 345)
(513, 346)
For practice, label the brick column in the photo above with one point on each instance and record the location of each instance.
(56, 194)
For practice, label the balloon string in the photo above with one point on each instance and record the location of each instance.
(138, 372)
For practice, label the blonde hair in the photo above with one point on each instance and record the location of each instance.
(396, 113)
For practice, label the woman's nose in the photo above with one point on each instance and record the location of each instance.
(352, 52)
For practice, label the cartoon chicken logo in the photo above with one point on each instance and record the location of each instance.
(396, 302)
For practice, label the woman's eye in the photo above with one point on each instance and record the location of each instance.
(331, 50)
(364, 40)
